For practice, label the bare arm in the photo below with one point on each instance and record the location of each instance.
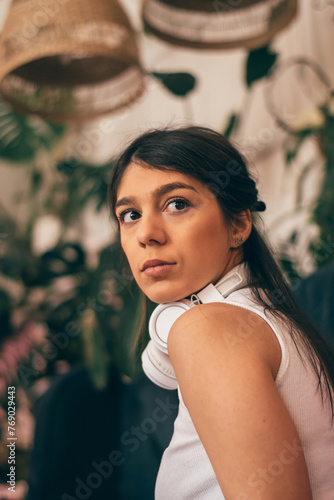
(227, 384)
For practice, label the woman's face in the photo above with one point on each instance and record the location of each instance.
(171, 217)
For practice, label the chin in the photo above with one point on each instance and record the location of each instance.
(161, 298)
(165, 297)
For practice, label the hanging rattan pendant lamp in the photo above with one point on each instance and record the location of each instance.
(218, 24)
(69, 60)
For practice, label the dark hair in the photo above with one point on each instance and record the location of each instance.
(209, 157)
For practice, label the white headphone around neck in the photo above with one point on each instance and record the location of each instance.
(155, 360)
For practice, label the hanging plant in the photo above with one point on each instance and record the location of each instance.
(317, 122)
(323, 249)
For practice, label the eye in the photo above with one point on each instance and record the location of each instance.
(177, 205)
(128, 216)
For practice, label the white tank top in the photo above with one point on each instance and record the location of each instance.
(185, 471)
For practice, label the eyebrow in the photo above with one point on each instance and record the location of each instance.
(166, 188)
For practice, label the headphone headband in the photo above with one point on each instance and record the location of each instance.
(233, 280)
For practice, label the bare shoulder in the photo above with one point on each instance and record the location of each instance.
(225, 359)
(224, 329)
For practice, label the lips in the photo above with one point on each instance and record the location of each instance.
(155, 263)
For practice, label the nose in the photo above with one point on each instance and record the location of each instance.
(151, 231)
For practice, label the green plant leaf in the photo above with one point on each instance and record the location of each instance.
(22, 137)
(96, 352)
(232, 123)
(5, 310)
(294, 144)
(120, 315)
(300, 185)
(289, 268)
(179, 84)
(84, 183)
(259, 64)
(328, 140)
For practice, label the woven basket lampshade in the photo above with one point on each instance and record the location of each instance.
(218, 24)
(69, 60)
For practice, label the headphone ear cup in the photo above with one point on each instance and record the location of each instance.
(155, 360)
(158, 367)
(162, 320)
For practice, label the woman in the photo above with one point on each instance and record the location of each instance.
(255, 379)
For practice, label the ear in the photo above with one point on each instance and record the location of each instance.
(241, 227)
